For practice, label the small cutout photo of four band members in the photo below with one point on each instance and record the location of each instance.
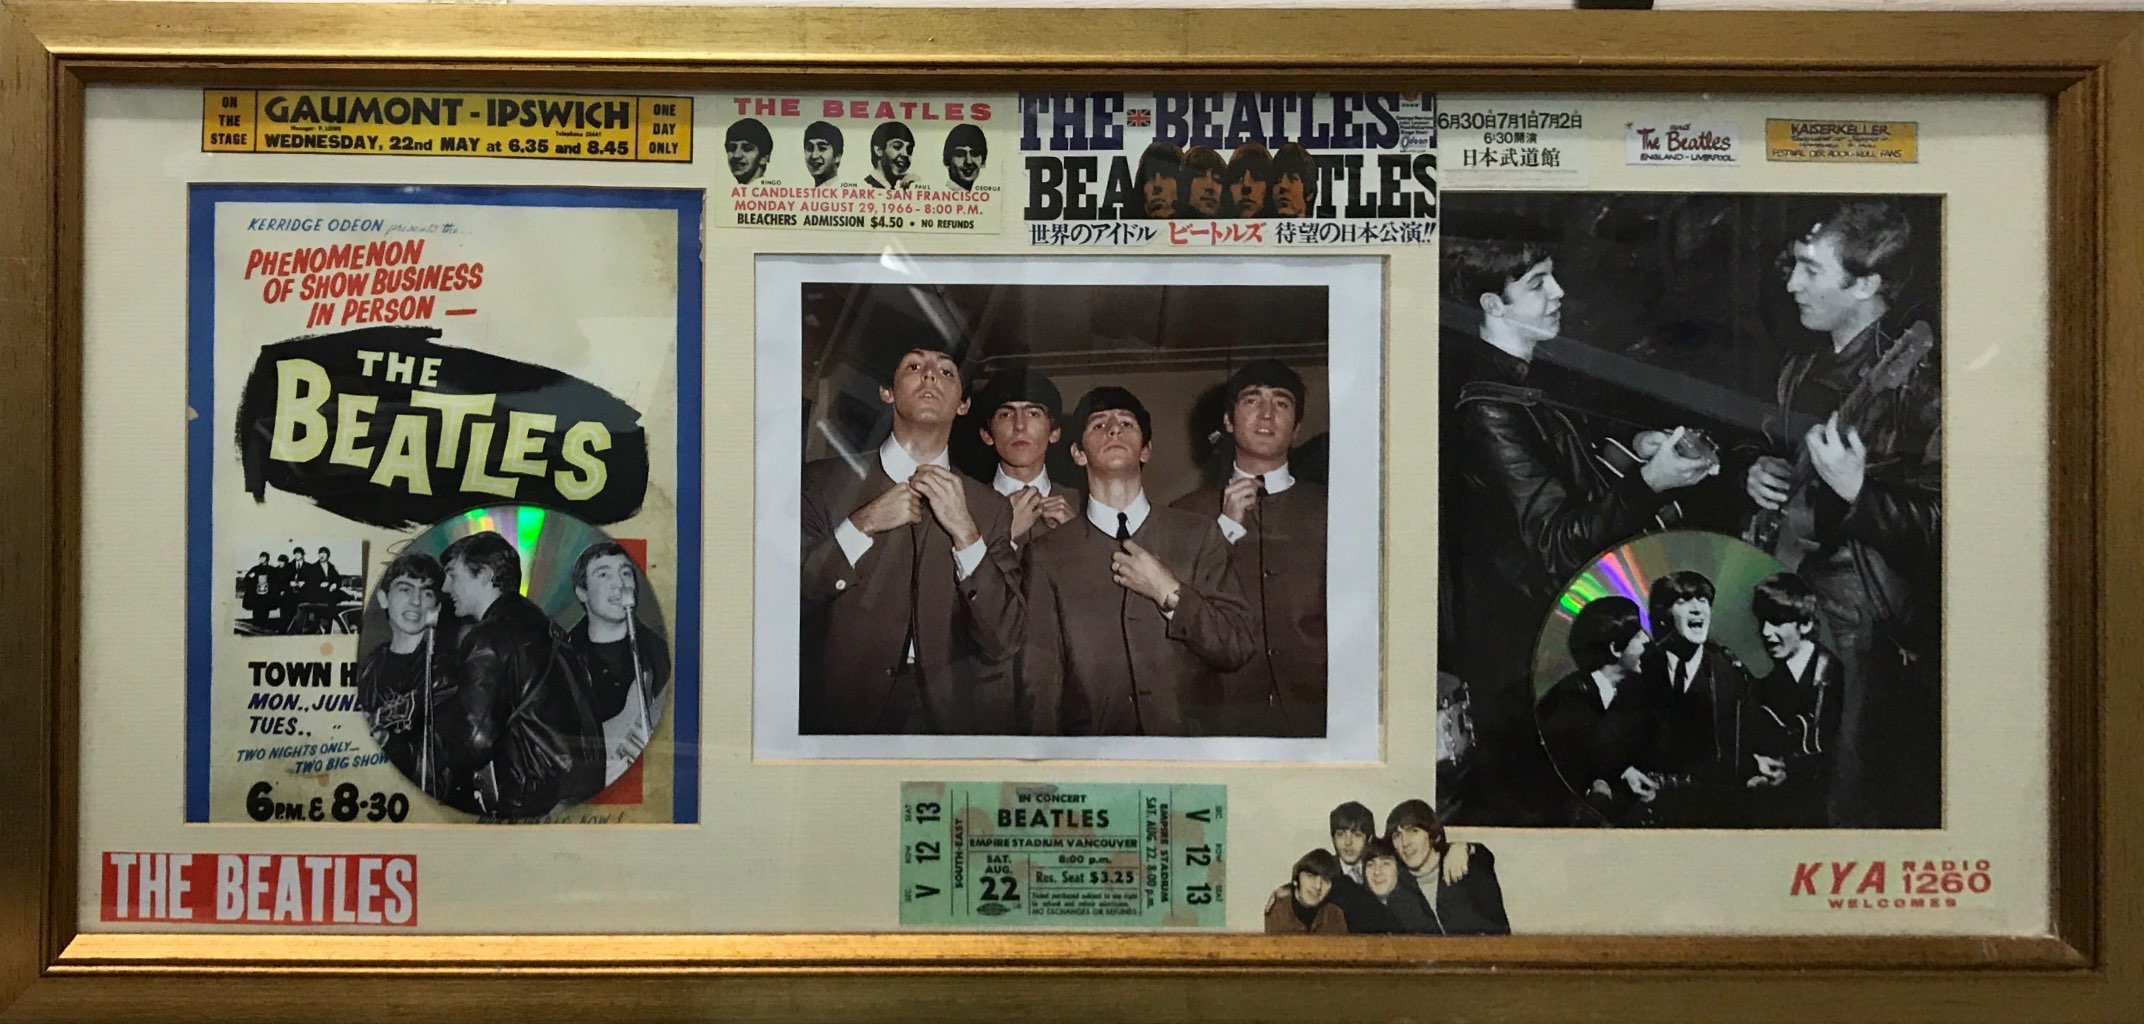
(1409, 879)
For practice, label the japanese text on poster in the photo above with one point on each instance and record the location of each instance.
(1244, 169)
(1499, 143)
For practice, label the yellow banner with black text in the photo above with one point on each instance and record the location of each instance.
(543, 126)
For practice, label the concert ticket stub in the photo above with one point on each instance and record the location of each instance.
(1075, 854)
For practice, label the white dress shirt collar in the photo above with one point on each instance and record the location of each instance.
(1682, 671)
(1104, 518)
(1798, 662)
(1006, 483)
(900, 465)
(1276, 481)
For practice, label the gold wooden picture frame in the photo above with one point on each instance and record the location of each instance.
(2088, 66)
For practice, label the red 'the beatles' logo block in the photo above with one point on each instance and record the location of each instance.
(260, 888)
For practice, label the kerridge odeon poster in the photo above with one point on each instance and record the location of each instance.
(366, 361)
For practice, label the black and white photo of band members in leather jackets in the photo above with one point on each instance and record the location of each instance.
(495, 705)
(1761, 367)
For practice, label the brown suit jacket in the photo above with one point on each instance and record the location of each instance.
(996, 715)
(855, 618)
(1281, 563)
(1100, 660)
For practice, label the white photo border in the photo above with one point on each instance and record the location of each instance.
(1355, 287)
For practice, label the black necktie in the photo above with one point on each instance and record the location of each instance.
(1265, 631)
(1124, 606)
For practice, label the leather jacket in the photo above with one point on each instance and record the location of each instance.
(524, 714)
(609, 688)
(1525, 506)
(1538, 474)
(1889, 537)
(1876, 569)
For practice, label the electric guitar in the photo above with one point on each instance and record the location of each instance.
(1619, 459)
(1611, 454)
(1797, 732)
(1793, 736)
(1625, 810)
(1788, 532)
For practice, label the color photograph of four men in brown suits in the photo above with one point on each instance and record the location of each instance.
(934, 602)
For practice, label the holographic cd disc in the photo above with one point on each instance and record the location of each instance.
(513, 660)
(1591, 728)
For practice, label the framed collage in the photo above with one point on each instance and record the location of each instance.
(1129, 513)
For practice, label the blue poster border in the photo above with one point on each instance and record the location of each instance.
(203, 429)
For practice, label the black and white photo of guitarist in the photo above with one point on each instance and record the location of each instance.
(1849, 497)
(1793, 728)
(1527, 498)
(628, 658)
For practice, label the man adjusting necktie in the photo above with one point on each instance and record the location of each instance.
(1132, 615)
(1275, 524)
